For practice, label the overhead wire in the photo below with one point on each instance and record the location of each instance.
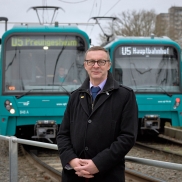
(56, 15)
(73, 2)
(112, 7)
(43, 3)
(92, 8)
(106, 12)
(97, 15)
(90, 15)
(100, 7)
(47, 12)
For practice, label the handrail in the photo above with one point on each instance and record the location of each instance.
(156, 163)
(35, 143)
(13, 156)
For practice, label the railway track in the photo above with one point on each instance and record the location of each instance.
(158, 149)
(164, 144)
(48, 161)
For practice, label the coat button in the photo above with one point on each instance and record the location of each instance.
(89, 121)
(86, 148)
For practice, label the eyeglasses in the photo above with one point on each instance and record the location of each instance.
(99, 62)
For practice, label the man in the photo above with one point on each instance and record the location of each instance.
(95, 135)
(63, 77)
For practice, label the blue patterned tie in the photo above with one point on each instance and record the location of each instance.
(95, 91)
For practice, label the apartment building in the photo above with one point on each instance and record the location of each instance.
(170, 24)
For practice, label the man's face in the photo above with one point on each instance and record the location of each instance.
(96, 72)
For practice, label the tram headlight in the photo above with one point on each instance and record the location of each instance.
(45, 47)
(12, 111)
(9, 107)
(7, 102)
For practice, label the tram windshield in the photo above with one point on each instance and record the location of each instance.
(43, 63)
(147, 68)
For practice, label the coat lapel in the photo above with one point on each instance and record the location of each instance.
(102, 98)
(83, 100)
(84, 93)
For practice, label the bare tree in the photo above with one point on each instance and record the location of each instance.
(133, 23)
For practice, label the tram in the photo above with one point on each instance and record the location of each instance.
(32, 98)
(151, 66)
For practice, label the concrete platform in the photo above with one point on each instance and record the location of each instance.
(173, 132)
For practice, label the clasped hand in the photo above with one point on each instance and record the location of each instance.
(84, 167)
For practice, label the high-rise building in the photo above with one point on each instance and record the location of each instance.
(170, 24)
(175, 21)
(162, 23)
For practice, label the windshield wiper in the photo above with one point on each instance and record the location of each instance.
(12, 59)
(68, 93)
(26, 93)
(170, 95)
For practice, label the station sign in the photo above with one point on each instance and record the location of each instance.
(40, 41)
(144, 50)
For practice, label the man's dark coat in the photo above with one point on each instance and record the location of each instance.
(104, 131)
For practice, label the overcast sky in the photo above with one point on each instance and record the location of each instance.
(78, 11)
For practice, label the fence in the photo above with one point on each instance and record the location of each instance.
(13, 156)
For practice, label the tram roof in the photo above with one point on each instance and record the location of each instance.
(43, 28)
(133, 40)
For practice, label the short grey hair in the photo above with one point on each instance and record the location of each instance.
(98, 48)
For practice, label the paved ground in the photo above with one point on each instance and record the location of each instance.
(26, 171)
